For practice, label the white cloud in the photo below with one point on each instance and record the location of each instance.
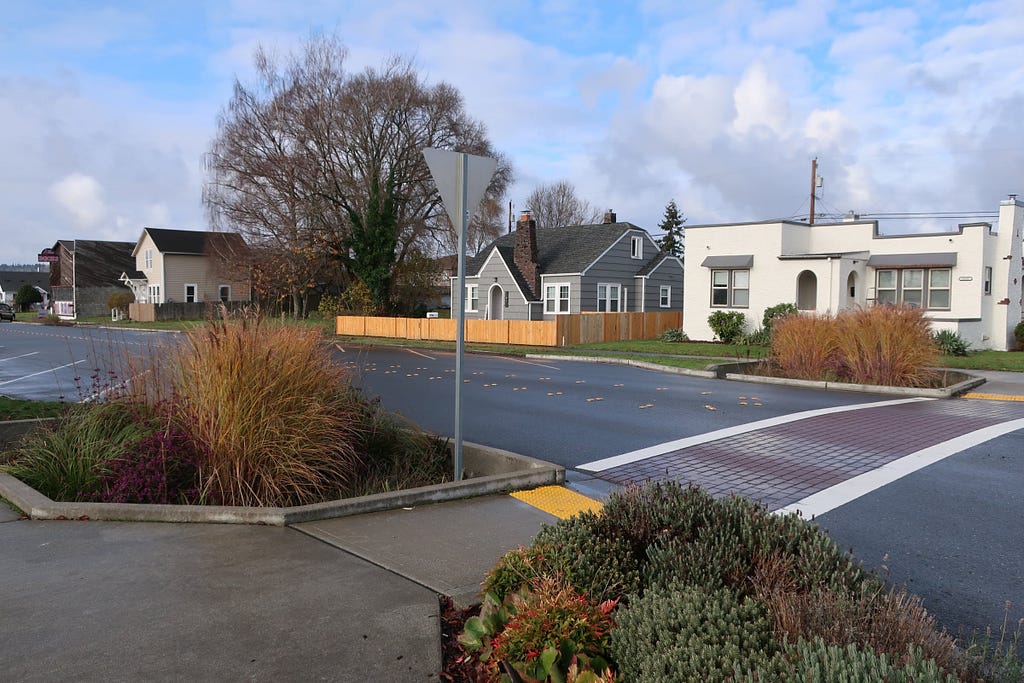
(81, 197)
(761, 104)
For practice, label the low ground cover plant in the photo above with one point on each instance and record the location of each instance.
(689, 587)
(240, 413)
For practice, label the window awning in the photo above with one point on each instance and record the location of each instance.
(734, 261)
(935, 260)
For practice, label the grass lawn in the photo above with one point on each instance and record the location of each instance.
(987, 360)
(22, 409)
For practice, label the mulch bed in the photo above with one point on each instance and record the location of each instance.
(457, 665)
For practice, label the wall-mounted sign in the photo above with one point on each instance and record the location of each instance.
(48, 256)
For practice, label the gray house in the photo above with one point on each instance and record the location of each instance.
(538, 274)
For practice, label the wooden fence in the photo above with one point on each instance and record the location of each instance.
(565, 330)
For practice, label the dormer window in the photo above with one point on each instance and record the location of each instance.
(636, 247)
(149, 258)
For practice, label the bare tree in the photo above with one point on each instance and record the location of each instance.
(555, 205)
(332, 161)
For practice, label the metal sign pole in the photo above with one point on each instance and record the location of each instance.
(462, 181)
(460, 333)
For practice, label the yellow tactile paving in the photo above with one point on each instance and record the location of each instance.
(994, 397)
(558, 501)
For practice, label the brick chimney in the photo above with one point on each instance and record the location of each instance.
(609, 217)
(526, 251)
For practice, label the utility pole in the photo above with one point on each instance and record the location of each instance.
(814, 184)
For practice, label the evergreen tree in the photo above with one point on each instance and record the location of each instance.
(672, 225)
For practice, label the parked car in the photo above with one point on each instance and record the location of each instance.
(6, 312)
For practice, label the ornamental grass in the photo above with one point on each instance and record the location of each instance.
(805, 346)
(271, 410)
(888, 345)
(884, 345)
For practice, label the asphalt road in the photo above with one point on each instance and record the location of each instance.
(564, 411)
(68, 363)
(951, 532)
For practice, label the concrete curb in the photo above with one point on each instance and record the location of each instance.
(489, 470)
(708, 374)
(727, 371)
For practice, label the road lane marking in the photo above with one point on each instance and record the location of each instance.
(421, 354)
(558, 501)
(17, 357)
(528, 362)
(42, 372)
(821, 502)
(668, 447)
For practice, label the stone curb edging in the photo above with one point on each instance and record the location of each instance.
(490, 470)
(725, 371)
(708, 374)
(722, 371)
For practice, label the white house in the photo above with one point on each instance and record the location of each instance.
(968, 281)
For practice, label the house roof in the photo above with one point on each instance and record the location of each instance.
(193, 242)
(568, 249)
(12, 280)
(653, 264)
(99, 263)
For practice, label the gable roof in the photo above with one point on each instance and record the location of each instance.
(569, 249)
(97, 263)
(12, 280)
(656, 261)
(193, 242)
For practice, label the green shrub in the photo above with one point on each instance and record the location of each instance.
(690, 634)
(120, 300)
(1018, 335)
(777, 312)
(601, 566)
(331, 305)
(26, 296)
(951, 343)
(734, 537)
(674, 334)
(817, 662)
(762, 336)
(68, 461)
(727, 325)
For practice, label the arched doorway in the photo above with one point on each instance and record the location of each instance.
(851, 290)
(807, 291)
(496, 303)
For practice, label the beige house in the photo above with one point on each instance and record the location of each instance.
(968, 281)
(187, 266)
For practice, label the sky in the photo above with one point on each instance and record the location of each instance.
(108, 108)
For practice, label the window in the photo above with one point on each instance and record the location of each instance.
(556, 298)
(224, 293)
(938, 288)
(190, 294)
(636, 247)
(154, 294)
(472, 297)
(988, 280)
(609, 297)
(730, 288)
(927, 288)
(149, 258)
(665, 296)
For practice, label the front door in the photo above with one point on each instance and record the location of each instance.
(496, 303)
